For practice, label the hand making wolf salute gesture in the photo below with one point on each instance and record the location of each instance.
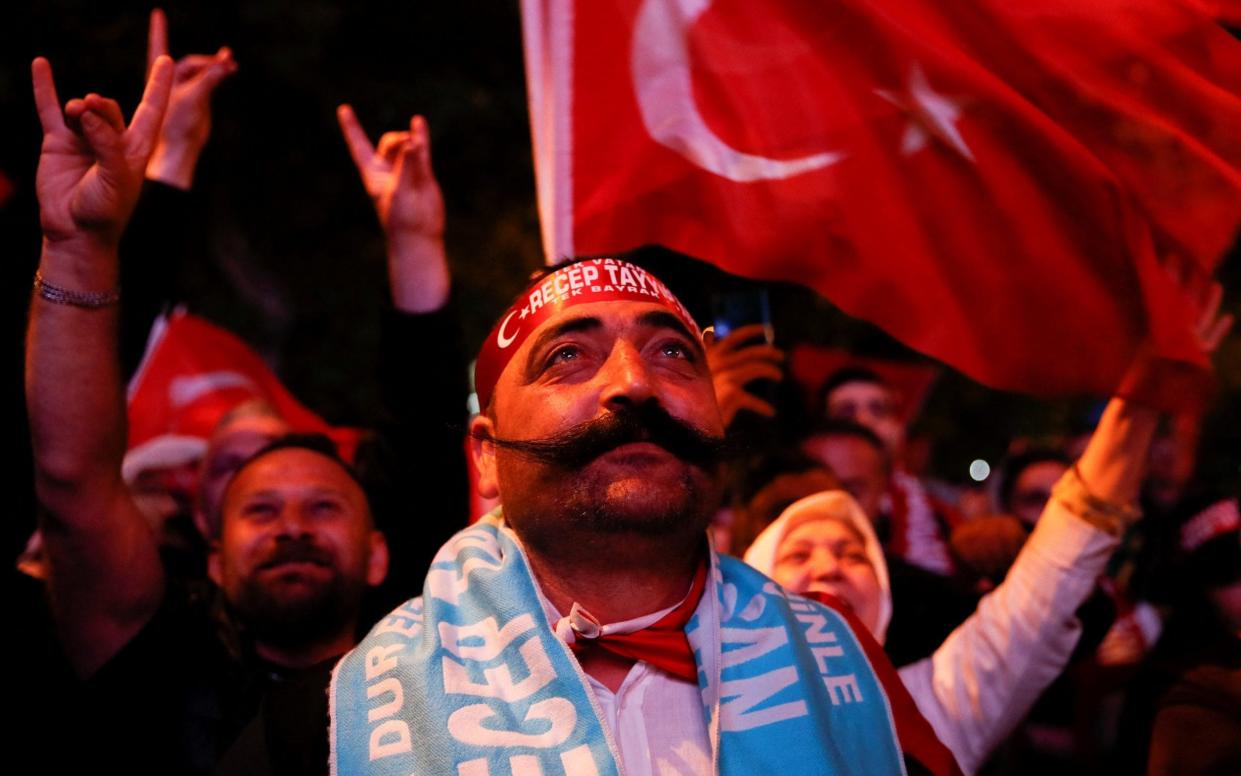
(91, 164)
(397, 176)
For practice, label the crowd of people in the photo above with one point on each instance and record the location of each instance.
(302, 608)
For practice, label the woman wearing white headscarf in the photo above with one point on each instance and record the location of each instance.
(983, 679)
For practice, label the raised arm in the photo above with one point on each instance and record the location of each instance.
(985, 677)
(106, 579)
(397, 176)
(418, 448)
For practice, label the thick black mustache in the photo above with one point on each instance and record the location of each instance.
(649, 422)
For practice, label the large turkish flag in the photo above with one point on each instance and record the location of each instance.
(1009, 187)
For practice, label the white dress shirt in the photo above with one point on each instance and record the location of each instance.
(655, 719)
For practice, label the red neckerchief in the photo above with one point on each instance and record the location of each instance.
(662, 643)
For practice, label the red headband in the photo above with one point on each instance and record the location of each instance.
(583, 282)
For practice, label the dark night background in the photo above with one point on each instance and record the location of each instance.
(293, 259)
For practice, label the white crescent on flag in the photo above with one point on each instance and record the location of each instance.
(664, 87)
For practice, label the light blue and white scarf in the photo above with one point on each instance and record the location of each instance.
(470, 679)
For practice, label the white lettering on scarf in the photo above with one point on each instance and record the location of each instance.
(739, 697)
(470, 649)
(448, 584)
(390, 736)
(824, 646)
(577, 761)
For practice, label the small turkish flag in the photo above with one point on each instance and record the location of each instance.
(1032, 192)
(192, 374)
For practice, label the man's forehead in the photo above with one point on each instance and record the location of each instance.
(294, 467)
(581, 284)
(613, 317)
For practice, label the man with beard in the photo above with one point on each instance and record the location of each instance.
(587, 624)
(176, 680)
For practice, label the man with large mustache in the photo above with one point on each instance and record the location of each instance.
(587, 627)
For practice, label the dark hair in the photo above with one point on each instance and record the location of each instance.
(316, 443)
(1011, 469)
(849, 374)
(847, 428)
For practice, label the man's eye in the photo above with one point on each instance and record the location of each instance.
(563, 354)
(675, 349)
(259, 509)
(325, 506)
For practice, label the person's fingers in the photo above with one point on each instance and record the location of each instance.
(73, 114)
(191, 66)
(420, 141)
(722, 358)
(741, 335)
(108, 110)
(391, 145)
(359, 144)
(46, 103)
(1210, 307)
(1215, 334)
(216, 72)
(157, 37)
(744, 400)
(406, 168)
(102, 136)
(757, 370)
(144, 128)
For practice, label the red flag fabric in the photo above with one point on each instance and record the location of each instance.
(1031, 192)
(192, 374)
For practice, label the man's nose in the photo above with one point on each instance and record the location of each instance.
(294, 521)
(626, 378)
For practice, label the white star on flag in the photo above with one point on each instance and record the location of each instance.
(930, 115)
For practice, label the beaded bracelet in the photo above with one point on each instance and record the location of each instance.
(58, 295)
(1071, 491)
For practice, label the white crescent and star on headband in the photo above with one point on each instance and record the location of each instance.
(585, 281)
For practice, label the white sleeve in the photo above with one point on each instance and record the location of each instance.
(987, 674)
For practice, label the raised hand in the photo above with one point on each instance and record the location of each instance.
(187, 123)
(91, 164)
(397, 176)
(737, 360)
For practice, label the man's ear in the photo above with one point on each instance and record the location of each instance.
(213, 563)
(377, 565)
(483, 450)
